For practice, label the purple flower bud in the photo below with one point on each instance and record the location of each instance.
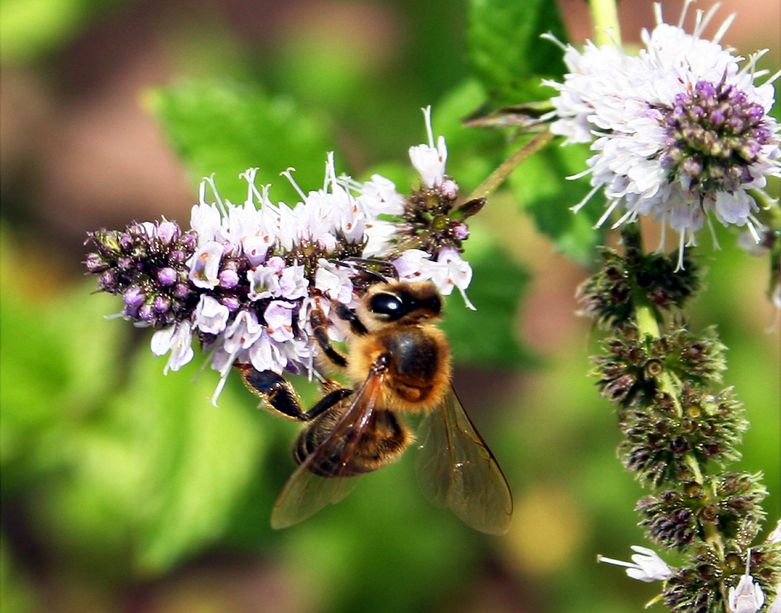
(177, 256)
(94, 263)
(228, 278)
(231, 302)
(167, 231)
(125, 240)
(716, 117)
(161, 304)
(108, 281)
(692, 167)
(188, 241)
(460, 231)
(133, 297)
(146, 313)
(449, 188)
(166, 276)
(181, 291)
(124, 262)
(736, 123)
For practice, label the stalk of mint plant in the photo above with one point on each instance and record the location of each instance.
(681, 428)
(687, 141)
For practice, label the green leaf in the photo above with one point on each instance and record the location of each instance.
(158, 477)
(224, 128)
(506, 51)
(489, 335)
(543, 192)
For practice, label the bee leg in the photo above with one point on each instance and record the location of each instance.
(279, 395)
(356, 325)
(320, 329)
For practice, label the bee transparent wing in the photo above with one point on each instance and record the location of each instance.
(305, 493)
(457, 470)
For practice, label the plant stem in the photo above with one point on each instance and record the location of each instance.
(648, 326)
(506, 168)
(604, 15)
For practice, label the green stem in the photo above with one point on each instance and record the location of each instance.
(604, 15)
(506, 168)
(648, 326)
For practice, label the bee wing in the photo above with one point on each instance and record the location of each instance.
(305, 493)
(457, 470)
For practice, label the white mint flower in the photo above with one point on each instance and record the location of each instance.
(645, 566)
(334, 281)
(429, 160)
(292, 283)
(178, 340)
(379, 196)
(680, 132)
(205, 265)
(211, 317)
(747, 597)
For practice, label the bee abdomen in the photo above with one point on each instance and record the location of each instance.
(381, 443)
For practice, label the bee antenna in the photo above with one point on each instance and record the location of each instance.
(364, 265)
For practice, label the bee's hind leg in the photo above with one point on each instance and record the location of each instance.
(280, 396)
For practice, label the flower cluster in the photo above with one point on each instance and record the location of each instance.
(147, 263)
(673, 518)
(633, 365)
(679, 132)
(244, 278)
(609, 295)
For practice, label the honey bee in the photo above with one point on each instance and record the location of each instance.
(398, 362)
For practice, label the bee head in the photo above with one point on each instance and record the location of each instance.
(401, 302)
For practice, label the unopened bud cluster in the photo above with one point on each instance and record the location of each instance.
(610, 295)
(680, 429)
(147, 263)
(674, 517)
(633, 365)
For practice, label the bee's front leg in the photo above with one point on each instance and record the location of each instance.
(319, 322)
(280, 396)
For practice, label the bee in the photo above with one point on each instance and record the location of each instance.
(398, 362)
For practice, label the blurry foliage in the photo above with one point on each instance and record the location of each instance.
(31, 28)
(123, 475)
(224, 128)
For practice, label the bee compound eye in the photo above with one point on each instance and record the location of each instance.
(386, 304)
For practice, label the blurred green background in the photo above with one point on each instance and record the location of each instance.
(123, 489)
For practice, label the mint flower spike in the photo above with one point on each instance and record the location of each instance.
(243, 280)
(680, 132)
(646, 565)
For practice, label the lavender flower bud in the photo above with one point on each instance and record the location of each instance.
(181, 291)
(108, 281)
(228, 278)
(133, 297)
(161, 304)
(146, 313)
(95, 263)
(166, 276)
(167, 231)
